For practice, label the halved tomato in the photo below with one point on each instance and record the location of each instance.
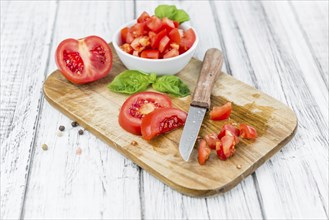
(171, 53)
(150, 54)
(162, 121)
(203, 152)
(143, 17)
(187, 40)
(154, 24)
(174, 36)
(139, 105)
(211, 140)
(221, 112)
(84, 60)
(225, 148)
(247, 131)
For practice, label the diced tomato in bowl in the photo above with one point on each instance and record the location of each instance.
(168, 46)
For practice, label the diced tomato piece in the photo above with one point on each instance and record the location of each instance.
(129, 38)
(124, 32)
(126, 48)
(221, 112)
(136, 53)
(211, 140)
(154, 24)
(171, 53)
(176, 23)
(150, 54)
(137, 30)
(174, 46)
(136, 45)
(175, 36)
(187, 40)
(203, 152)
(144, 41)
(143, 17)
(156, 40)
(167, 23)
(164, 42)
(247, 131)
(230, 130)
(225, 148)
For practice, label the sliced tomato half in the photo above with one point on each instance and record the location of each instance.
(161, 121)
(139, 105)
(84, 60)
(203, 152)
(248, 131)
(221, 112)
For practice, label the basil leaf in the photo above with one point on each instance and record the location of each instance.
(181, 16)
(168, 11)
(131, 81)
(171, 84)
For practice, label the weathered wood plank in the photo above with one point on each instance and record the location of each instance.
(262, 52)
(99, 183)
(25, 38)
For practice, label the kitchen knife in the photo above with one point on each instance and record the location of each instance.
(211, 68)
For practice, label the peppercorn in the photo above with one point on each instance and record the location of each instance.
(61, 128)
(74, 124)
(81, 132)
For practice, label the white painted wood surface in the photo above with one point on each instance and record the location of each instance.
(280, 48)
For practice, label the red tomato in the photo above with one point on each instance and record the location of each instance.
(150, 54)
(203, 152)
(174, 36)
(154, 24)
(247, 131)
(171, 53)
(129, 37)
(84, 60)
(126, 48)
(143, 17)
(187, 40)
(164, 42)
(137, 30)
(139, 105)
(176, 23)
(167, 23)
(124, 32)
(156, 40)
(161, 121)
(221, 112)
(211, 140)
(225, 148)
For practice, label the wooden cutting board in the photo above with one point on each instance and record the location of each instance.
(97, 109)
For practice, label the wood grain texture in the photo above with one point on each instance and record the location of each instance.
(95, 107)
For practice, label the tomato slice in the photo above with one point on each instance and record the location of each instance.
(247, 131)
(143, 17)
(156, 40)
(171, 53)
(124, 32)
(164, 42)
(162, 121)
(187, 40)
(150, 54)
(167, 23)
(211, 140)
(221, 112)
(203, 152)
(174, 36)
(225, 148)
(84, 60)
(139, 105)
(154, 24)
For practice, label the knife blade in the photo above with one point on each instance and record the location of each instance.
(211, 68)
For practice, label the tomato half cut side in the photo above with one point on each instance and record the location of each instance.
(221, 112)
(139, 105)
(84, 60)
(161, 121)
(203, 152)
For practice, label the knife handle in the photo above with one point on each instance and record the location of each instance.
(211, 68)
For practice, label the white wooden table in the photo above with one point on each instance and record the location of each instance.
(281, 48)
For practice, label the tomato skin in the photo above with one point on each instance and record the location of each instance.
(211, 140)
(187, 40)
(143, 17)
(225, 148)
(171, 53)
(162, 121)
(154, 24)
(221, 112)
(248, 131)
(81, 66)
(150, 54)
(134, 109)
(174, 36)
(203, 152)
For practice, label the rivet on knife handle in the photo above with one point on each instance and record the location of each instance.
(211, 68)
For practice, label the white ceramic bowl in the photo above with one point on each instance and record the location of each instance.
(167, 66)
